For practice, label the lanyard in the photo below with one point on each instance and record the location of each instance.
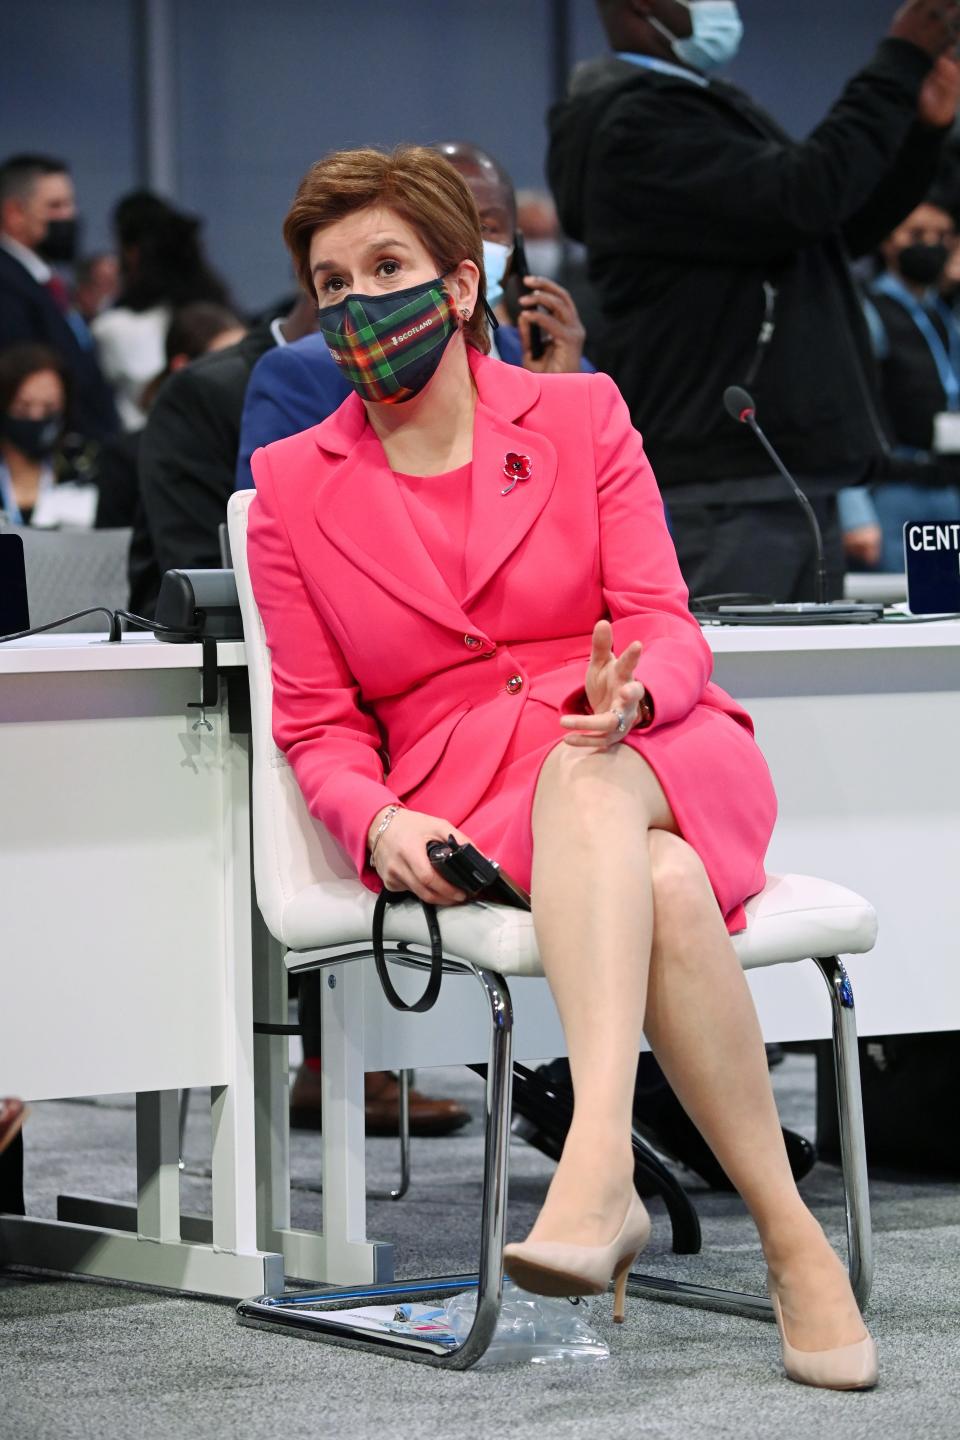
(663, 67)
(948, 364)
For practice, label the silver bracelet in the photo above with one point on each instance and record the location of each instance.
(390, 812)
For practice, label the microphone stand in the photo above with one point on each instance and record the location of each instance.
(740, 407)
(821, 575)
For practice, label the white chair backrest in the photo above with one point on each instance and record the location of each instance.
(291, 850)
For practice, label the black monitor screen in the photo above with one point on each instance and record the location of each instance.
(14, 615)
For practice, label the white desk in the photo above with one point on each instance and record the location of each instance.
(126, 953)
(861, 728)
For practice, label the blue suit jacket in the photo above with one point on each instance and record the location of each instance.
(295, 386)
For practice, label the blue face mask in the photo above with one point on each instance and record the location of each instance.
(717, 32)
(495, 258)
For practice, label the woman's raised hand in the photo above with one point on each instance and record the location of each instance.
(401, 855)
(612, 692)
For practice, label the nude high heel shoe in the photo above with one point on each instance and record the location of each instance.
(548, 1267)
(846, 1367)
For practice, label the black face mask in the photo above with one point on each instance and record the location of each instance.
(36, 439)
(923, 264)
(59, 245)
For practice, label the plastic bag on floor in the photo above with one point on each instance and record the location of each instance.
(531, 1330)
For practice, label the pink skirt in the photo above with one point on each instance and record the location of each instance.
(713, 775)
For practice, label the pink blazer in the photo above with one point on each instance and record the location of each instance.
(379, 670)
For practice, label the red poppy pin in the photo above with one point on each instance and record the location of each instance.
(516, 468)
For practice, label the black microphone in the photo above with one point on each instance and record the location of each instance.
(740, 407)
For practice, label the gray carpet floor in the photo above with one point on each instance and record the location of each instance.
(82, 1359)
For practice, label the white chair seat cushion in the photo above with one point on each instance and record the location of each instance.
(795, 917)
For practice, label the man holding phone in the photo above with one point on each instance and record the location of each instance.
(545, 334)
(720, 250)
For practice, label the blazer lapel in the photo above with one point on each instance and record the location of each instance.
(499, 522)
(361, 511)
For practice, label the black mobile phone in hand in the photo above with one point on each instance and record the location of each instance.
(478, 877)
(521, 269)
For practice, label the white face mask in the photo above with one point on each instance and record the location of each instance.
(495, 258)
(717, 32)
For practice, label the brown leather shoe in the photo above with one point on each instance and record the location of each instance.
(12, 1115)
(382, 1108)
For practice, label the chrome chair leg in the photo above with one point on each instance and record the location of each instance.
(294, 1314)
(853, 1150)
(854, 1166)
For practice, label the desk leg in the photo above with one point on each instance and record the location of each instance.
(234, 1150)
(344, 1139)
(341, 1254)
(272, 1087)
(158, 1165)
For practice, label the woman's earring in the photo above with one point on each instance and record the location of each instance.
(465, 315)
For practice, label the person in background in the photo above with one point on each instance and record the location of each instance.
(96, 284)
(34, 402)
(194, 331)
(300, 386)
(917, 342)
(12, 1115)
(188, 457)
(720, 246)
(163, 268)
(38, 231)
(538, 223)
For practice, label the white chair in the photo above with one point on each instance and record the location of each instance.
(321, 915)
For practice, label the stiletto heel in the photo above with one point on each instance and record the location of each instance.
(548, 1267)
(845, 1367)
(620, 1290)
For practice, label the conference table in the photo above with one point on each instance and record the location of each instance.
(132, 951)
(125, 940)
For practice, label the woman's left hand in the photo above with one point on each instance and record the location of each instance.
(612, 692)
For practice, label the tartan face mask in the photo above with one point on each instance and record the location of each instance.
(389, 346)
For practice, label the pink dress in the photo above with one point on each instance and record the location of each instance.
(688, 758)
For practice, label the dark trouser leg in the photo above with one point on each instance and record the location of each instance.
(761, 549)
(11, 1179)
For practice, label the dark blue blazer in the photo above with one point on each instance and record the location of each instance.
(296, 386)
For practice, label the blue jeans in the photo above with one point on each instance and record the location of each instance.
(896, 504)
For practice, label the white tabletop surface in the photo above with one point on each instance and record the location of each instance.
(53, 653)
(57, 653)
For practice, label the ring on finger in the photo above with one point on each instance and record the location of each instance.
(621, 722)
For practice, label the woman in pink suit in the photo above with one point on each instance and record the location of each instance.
(478, 625)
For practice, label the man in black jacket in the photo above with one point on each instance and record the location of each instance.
(187, 459)
(720, 248)
(38, 224)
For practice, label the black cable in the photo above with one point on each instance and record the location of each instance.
(142, 623)
(114, 633)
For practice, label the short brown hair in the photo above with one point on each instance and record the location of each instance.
(419, 185)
